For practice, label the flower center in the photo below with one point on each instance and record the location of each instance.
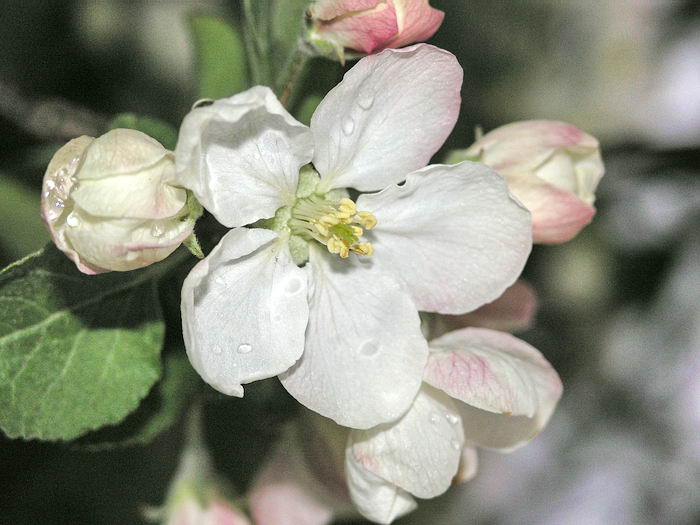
(338, 226)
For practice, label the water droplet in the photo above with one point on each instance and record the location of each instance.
(75, 160)
(455, 444)
(434, 418)
(369, 348)
(62, 172)
(366, 99)
(244, 348)
(50, 184)
(157, 230)
(59, 203)
(348, 125)
(217, 349)
(451, 418)
(72, 220)
(293, 286)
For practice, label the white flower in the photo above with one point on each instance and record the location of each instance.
(482, 388)
(110, 204)
(342, 330)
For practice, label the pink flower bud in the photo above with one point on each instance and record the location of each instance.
(190, 511)
(553, 168)
(368, 26)
(109, 203)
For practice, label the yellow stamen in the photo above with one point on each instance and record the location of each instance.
(339, 225)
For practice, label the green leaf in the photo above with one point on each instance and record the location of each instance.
(77, 352)
(220, 55)
(157, 412)
(158, 129)
(22, 230)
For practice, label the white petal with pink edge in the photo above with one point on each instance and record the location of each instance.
(508, 388)
(452, 233)
(388, 116)
(421, 452)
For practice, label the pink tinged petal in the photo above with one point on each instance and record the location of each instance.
(287, 491)
(512, 311)
(329, 9)
(420, 453)
(557, 215)
(241, 156)
(120, 152)
(364, 352)
(221, 513)
(365, 31)
(244, 310)
(388, 116)
(522, 146)
(417, 21)
(468, 465)
(510, 390)
(376, 499)
(57, 184)
(453, 233)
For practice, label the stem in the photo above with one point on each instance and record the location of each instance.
(257, 45)
(297, 62)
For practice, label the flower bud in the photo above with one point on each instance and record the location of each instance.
(109, 202)
(368, 26)
(553, 168)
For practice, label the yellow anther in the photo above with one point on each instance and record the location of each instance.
(336, 224)
(367, 220)
(363, 248)
(347, 206)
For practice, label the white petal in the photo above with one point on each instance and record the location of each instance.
(453, 233)
(376, 499)
(388, 116)
(364, 353)
(241, 156)
(244, 310)
(468, 465)
(419, 453)
(510, 390)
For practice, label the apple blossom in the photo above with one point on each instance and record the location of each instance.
(369, 26)
(553, 168)
(110, 203)
(482, 388)
(326, 290)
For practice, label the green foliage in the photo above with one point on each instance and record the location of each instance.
(159, 130)
(286, 27)
(307, 107)
(157, 412)
(77, 352)
(221, 58)
(22, 231)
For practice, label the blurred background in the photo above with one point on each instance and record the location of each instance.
(619, 313)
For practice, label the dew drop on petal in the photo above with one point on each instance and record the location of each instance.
(244, 348)
(50, 184)
(157, 230)
(217, 349)
(451, 418)
(369, 348)
(434, 418)
(455, 444)
(293, 286)
(59, 203)
(348, 125)
(366, 99)
(72, 220)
